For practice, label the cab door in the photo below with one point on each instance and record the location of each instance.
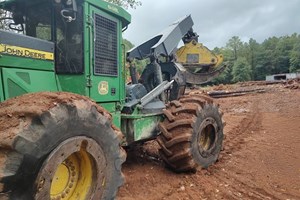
(105, 39)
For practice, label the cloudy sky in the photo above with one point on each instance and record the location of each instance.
(216, 21)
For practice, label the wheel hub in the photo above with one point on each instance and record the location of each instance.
(61, 179)
(72, 171)
(65, 179)
(207, 136)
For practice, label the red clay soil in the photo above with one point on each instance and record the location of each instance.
(19, 111)
(261, 157)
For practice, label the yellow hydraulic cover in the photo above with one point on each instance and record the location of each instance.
(194, 55)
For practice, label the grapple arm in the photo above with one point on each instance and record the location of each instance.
(163, 43)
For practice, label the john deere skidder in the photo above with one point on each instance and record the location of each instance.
(65, 109)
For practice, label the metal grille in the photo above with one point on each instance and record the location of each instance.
(106, 49)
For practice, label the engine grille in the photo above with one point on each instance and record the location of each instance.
(106, 49)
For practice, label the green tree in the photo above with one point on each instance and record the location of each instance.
(126, 3)
(139, 64)
(263, 63)
(277, 51)
(241, 70)
(234, 44)
(253, 54)
(128, 45)
(225, 77)
(282, 54)
(295, 57)
(275, 55)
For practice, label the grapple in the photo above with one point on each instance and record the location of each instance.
(198, 63)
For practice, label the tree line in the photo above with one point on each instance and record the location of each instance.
(253, 61)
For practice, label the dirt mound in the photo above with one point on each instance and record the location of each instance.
(16, 112)
(292, 84)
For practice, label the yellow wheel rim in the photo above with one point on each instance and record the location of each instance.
(73, 177)
(207, 136)
(75, 170)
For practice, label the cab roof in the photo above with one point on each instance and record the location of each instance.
(113, 9)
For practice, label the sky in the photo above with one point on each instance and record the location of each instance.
(216, 21)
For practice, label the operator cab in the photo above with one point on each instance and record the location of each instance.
(57, 21)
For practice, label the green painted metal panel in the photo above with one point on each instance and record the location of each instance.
(140, 127)
(20, 81)
(105, 88)
(146, 127)
(110, 107)
(116, 119)
(73, 83)
(1, 87)
(26, 63)
(113, 10)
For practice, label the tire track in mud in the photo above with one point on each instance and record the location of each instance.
(233, 185)
(235, 137)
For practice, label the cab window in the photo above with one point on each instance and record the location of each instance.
(52, 20)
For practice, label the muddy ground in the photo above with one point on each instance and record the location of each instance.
(260, 160)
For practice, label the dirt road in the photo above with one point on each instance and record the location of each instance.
(261, 157)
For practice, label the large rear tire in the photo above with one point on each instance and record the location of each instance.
(191, 134)
(62, 146)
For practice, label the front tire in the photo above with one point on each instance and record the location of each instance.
(191, 134)
(63, 147)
